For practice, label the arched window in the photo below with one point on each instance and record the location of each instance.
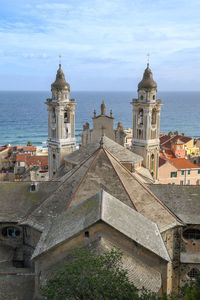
(11, 232)
(141, 97)
(140, 117)
(154, 97)
(153, 117)
(193, 274)
(191, 234)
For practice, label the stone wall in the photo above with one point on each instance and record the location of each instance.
(16, 286)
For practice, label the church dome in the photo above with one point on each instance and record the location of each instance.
(147, 81)
(60, 83)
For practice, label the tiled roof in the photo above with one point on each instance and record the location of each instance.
(113, 212)
(103, 170)
(33, 160)
(184, 201)
(121, 153)
(26, 148)
(167, 140)
(17, 201)
(182, 163)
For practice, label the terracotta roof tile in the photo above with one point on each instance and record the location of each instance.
(182, 163)
(166, 140)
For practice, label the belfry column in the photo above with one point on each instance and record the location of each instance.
(146, 123)
(61, 123)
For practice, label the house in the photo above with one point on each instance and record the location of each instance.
(178, 171)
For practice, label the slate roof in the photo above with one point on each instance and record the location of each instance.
(103, 207)
(184, 201)
(102, 170)
(120, 152)
(16, 200)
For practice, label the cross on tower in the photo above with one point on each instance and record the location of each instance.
(148, 57)
(60, 56)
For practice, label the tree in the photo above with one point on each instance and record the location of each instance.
(191, 291)
(87, 276)
(29, 143)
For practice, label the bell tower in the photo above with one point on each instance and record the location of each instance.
(61, 123)
(146, 123)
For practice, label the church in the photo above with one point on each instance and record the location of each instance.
(102, 196)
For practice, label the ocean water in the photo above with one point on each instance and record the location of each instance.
(23, 115)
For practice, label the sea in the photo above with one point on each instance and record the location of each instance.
(23, 114)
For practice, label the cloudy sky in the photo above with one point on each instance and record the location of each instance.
(103, 43)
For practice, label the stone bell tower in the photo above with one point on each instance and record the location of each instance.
(146, 123)
(61, 123)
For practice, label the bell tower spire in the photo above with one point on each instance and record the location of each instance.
(61, 122)
(146, 122)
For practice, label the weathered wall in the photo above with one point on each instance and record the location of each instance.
(50, 261)
(16, 286)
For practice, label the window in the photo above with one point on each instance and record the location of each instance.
(193, 274)
(173, 174)
(191, 234)
(33, 187)
(54, 156)
(181, 182)
(153, 117)
(188, 172)
(10, 232)
(87, 234)
(199, 171)
(140, 117)
(65, 117)
(182, 172)
(141, 97)
(154, 97)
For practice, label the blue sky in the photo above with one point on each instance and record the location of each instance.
(103, 43)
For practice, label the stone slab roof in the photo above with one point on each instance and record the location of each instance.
(16, 200)
(139, 273)
(120, 152)
(102, 171)
(106, 208)
(184, 201)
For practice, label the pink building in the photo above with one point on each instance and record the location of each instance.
(178, 171)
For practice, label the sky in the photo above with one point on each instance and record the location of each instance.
(103, 43)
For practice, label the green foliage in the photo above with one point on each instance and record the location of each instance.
(88, 276)
(191, 291)
(29, 143)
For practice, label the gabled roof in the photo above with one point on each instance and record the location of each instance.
(120, 152)
(106, 208)
(184, 201)
(102, 170)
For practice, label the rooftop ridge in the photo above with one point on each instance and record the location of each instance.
(145, 187)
